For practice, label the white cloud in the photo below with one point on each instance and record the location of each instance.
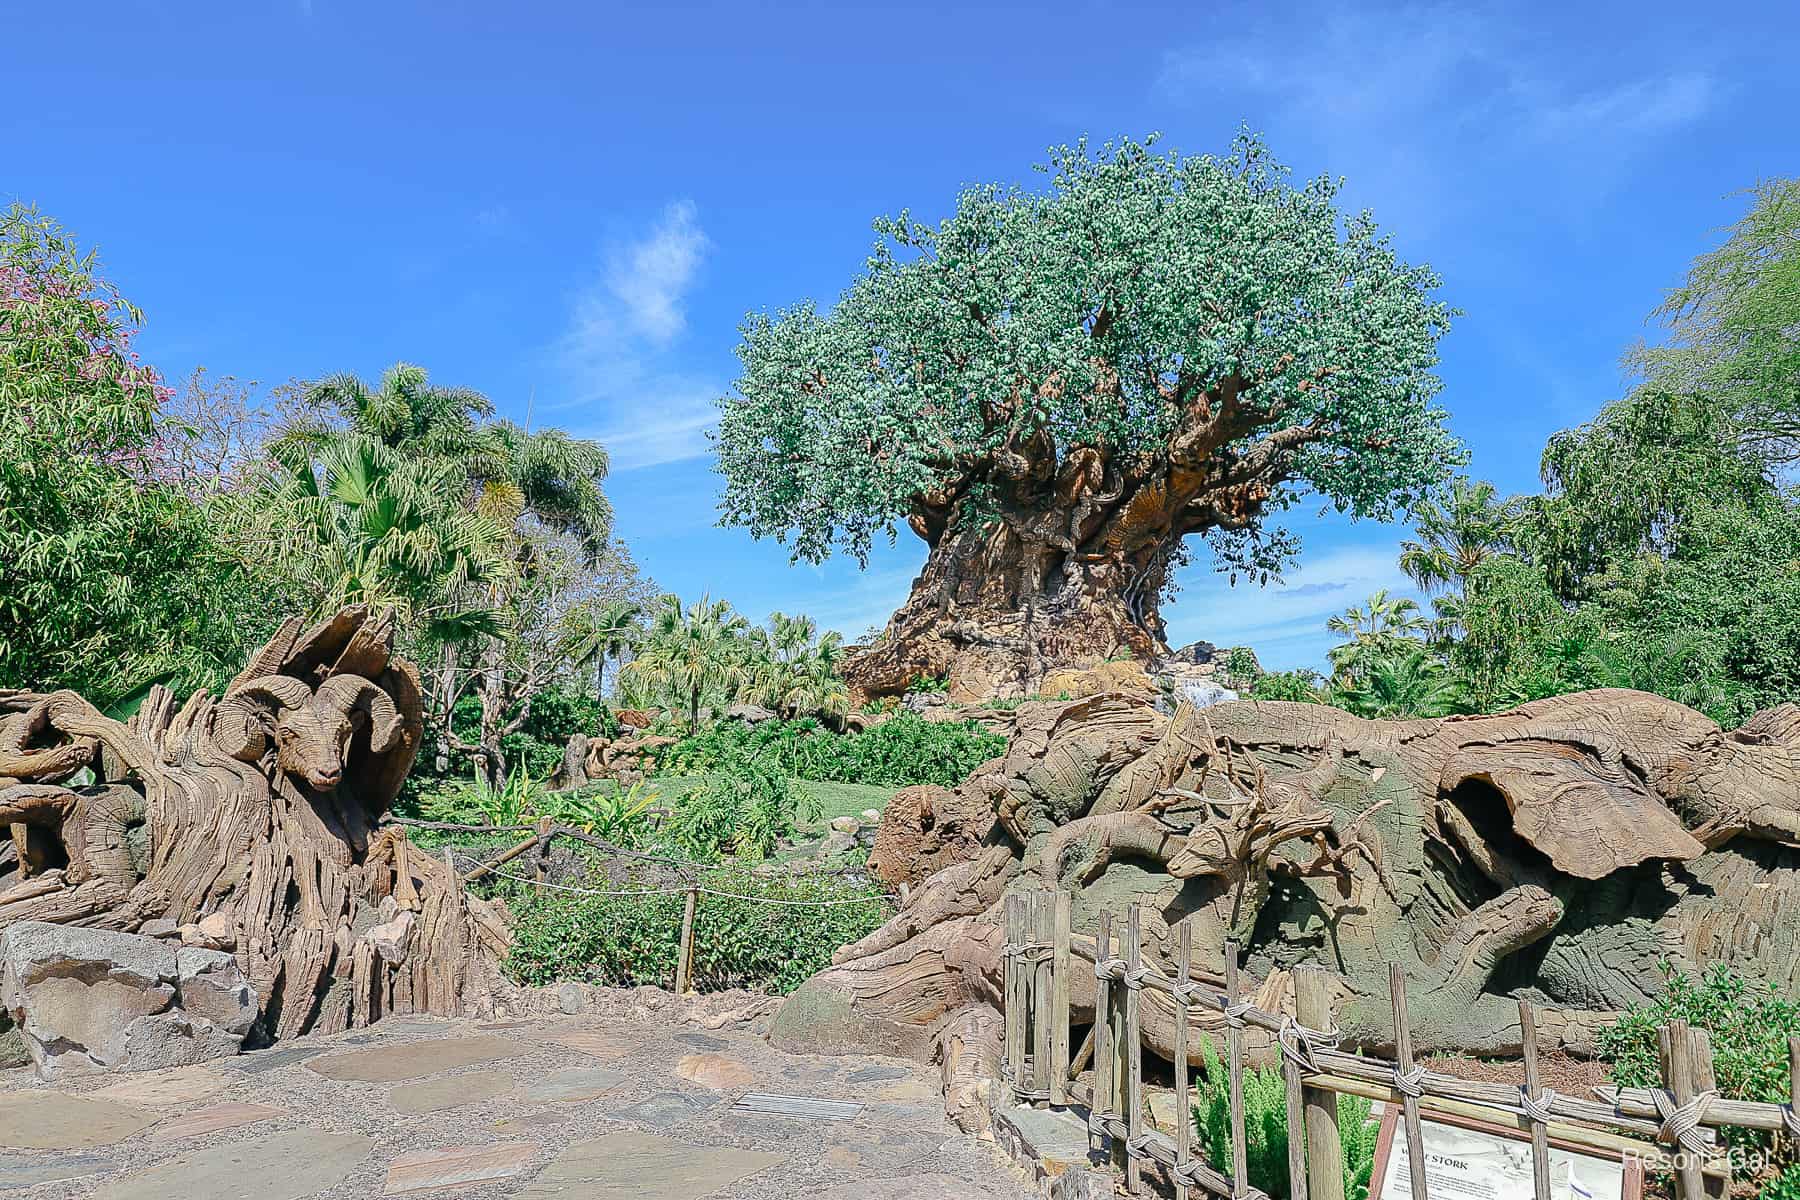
(647, 408)
(649, 278)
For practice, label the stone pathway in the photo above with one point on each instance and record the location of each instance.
(550, 1108)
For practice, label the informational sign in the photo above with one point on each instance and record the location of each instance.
(1473, 1160)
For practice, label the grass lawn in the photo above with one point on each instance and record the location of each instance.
(835, 799)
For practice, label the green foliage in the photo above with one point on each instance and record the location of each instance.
(1400, 681)
(930, 685)
(632, 940)
(1265, 1128)
(1748, 1022)
(1783, 1186)
(1303, 686)
(1096, 312)
(745, 808)
(622, 817)
(903, 750)
(517, 800)
(112, 578)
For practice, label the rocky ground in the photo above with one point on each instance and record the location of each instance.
(542, 1106)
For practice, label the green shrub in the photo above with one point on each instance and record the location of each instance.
(744, 808)
(1302, 685)
(1748, 1023)
(903, 750)
(1265, 1128)
(626, 941)
(1783, 1186)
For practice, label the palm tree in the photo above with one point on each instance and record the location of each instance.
(693, 654)
(596, 631)
(1386, 622)
(1454, 539)
(363, 524)
(795, 669)
(1403, 682)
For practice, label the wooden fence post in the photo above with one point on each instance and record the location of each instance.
(1184, 1119)
(1234, 1053)
(1540, 1137)
(1403, 1066)
(1104, 1090)
(1041, 985)
(1716, 1170)
(684, 957)
(1678, 1077)
(1015, 998)
(1324, 1148)
(543, 852)
(1134, 1052)
(1059, 998)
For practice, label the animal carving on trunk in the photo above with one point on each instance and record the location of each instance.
(262, 807)
(1561, 851)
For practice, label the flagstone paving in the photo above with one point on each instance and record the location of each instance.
(547, 1108)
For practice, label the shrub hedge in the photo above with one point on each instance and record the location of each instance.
(627, 941)
(903, 750)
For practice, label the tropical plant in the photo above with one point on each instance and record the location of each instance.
(902, 751)
(597, 630)
(621, 816)
(793, 669)
(1400, 681)
(1379, 628)
(1148, 348)
(690, 655)
(112, 577)
(1266, 1130)
(744, 808)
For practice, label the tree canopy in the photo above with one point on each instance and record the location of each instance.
(1145, 314)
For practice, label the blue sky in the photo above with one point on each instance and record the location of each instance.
(572, 206)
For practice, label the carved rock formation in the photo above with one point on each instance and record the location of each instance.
(254, 819)
(1560, 851)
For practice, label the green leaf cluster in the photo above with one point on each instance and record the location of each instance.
(633, 940)
(1266, 1130)
(903, 750)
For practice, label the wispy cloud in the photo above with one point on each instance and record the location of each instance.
(617, 350)
(1419, 98)
(648, 279)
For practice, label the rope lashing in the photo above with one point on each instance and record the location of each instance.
(1187, 993)
(1234, 1013)
(1410, 1082)
(1681, 1122)
(1140, 1145)
(1134, 976)
(1298, 1042)
(1791, 1121)
(1538, 1107)
(1109, 968)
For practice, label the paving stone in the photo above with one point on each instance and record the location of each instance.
(910, 1187)
(645, 1166)
(289, 1165)
(911, 1090)
(270, 1060)
(715, 1071)
(542, 1119)
(414, 1026)
(453, 1166)
(573, 1083)
(435, 1095)
(25, 1171)
(503, 1025)
(413, 1060)
(883, 1150)
(704, 1041)
(182, 1085)
(662, 1110)
(877, 1074)
(215, 1117)
(600, 1043)
(38, 1120)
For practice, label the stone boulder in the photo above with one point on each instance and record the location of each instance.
(99, 1000)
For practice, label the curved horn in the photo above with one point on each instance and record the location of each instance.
(345, 693)
(237, 723)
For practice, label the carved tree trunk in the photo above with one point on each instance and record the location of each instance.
(261, 807)
(1037, 564)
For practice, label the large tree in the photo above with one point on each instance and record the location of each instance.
(1055, 388)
